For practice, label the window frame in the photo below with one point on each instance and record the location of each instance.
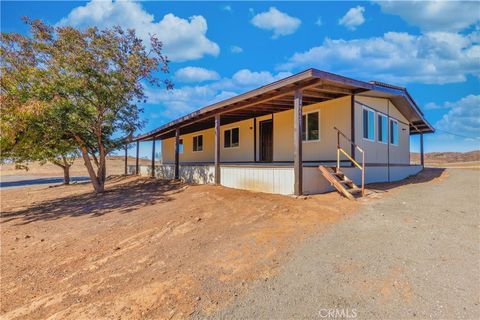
(384, 116)
(193, 143)
(363, 123)
(390, 132)
(305, 125)
(231, 129)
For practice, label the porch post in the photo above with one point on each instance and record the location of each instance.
(217, 149)
(153, 158)
(422, 156)
(177, 155)
(254, 139)
(126, 158)
(136, 159)
(352, 128)
(297, 143)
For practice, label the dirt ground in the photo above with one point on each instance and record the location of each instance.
(413, 253)
(165, 250)
(146, 249)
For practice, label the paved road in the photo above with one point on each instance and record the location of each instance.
(14, 181)
(411, 255)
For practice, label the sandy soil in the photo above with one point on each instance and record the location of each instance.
(413, 253)
(146, 249)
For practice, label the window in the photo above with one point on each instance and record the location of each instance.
(311, 126)
(382, 128)
(180, 146)
(198, 143)
(231, 138)
(394, 132)
(368, 124)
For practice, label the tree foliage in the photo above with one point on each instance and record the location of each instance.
(86, 84)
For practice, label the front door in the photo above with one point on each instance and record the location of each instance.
(266, 141)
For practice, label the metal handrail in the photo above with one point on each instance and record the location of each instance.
(340, 149)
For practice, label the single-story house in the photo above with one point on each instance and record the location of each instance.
(293, 135)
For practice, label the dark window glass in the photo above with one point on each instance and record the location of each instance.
(313, 126)
(235, 137)
(226, 138)
(365, 124)
(231, 138)
(368, 124)
(198, 143)
(304, 127)
(393, 132)
(382, 128)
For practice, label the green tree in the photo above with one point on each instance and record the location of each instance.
(93, 79)
(31, 123)
(31, 136)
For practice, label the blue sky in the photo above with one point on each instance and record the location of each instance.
(220, 49)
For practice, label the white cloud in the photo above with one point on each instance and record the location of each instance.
(183, 100)
(236, 49)
(195, 74)
(183, 39)
(435, 15)
(463, 118)
(435, 58)
(227, 8)
(319, 21)
(247, 78)
(353, 18)
(280, 23)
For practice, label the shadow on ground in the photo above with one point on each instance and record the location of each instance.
(124, 198)
(37, 181)
(426, 175)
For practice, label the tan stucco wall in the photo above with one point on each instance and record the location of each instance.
(188, 155)
(376, 152)
(332, 113)
(244, 152)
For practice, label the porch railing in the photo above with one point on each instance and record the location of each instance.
(341, 150)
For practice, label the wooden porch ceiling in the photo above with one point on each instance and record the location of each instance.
(315, 85)
(314, 91)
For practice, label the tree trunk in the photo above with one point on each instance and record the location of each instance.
(65, 167)
(102, 168)
(66, 170)
(97, 186)
(66, 175)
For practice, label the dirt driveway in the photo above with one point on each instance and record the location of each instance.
(146, 249)
(412, 254)
(164, 250)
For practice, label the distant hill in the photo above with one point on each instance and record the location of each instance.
(115, 165)
(446, 157)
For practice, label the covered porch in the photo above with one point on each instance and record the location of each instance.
(258, 169)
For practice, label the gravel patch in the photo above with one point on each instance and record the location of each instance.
(412, 254)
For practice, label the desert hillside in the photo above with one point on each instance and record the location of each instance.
(115, 165)
(447, 157)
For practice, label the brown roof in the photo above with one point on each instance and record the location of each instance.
(316, 86)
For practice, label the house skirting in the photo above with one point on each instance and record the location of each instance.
(275, 178)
